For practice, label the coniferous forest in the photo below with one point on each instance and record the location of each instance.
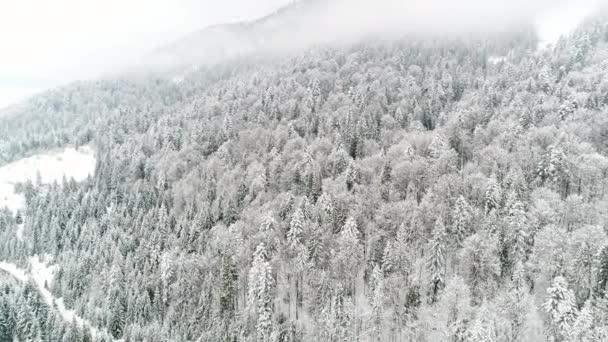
(388, 190)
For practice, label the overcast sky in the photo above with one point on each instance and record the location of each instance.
(49, 42)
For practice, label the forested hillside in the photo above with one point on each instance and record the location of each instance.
(411, 190)
(25, 316)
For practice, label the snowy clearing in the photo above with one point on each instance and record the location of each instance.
(15, 271)
(51, 166)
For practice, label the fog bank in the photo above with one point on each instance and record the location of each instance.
(311, 22)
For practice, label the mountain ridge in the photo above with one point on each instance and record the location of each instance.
(298, 26)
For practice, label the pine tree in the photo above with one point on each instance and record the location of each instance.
(437, 147)
(227, 127)
(74, 333)
(261, 283)
(401, 117)
(518, 233)
(268, 222)
(554, 167)
(484, 328)
(325, 204)
(315, 244)
(229, 286)
(601, 278)
(386, 176)
(493, 197)
(316, 185)
(294, 234)
(26, 323)
(118, 316)
(561, 306)
(286, 207)
(348, 252)
(396, 254)
(583, 328)
(436, 261)
(385, 180)
(6, 320)
(377, 300)
(517, 302)
(167, 271)
(461, 216)
(351, 176)
(453, 311)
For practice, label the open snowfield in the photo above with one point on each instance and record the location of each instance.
(52, 166)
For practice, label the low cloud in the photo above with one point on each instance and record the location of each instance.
(316, 21)
(64, 40)
(48, 43)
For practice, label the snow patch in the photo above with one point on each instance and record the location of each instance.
(15, 271)
(51, 166)
(9, 199)
(178, 79)
(496, 59)
(20, 231)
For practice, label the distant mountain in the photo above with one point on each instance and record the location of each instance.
(265, 36)
(302, 24)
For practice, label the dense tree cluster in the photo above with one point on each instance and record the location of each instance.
(412, 190)
(25, 316)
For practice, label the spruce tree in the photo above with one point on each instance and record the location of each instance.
(436, 261)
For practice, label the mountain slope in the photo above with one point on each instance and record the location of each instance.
(215, 44)
(305, 24)
(406, 189)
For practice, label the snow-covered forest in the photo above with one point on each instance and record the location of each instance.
(389, 190)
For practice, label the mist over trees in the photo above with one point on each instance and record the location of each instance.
(409, 190)
(298, 26)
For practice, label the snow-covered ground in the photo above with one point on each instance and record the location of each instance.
(178, 79)
(52, 166)
(496, 59)
(20, 231)
(15, 271)
(42, 274)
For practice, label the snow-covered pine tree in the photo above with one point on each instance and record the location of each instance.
(259, 295)
(561, 306)
(436, 263)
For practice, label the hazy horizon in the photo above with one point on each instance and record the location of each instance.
(67, 40)
(90, 39)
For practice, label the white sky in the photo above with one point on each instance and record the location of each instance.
(45, 43)
(556, 21)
